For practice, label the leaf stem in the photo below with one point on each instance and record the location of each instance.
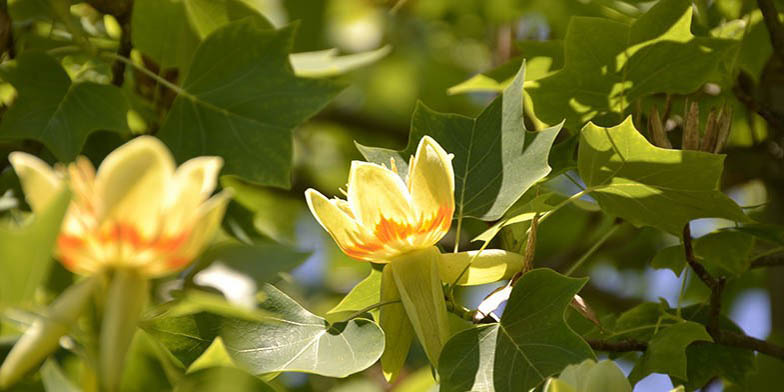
(369, 308)
(153, 75)
(577, 264)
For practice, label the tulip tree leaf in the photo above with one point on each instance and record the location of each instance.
(541, 59)
(293, 339)
(651, 186)
(666, 351)
(216, 379)
(366, 293)
(723, 252)
(531, 343)
(610, 64)
(495, 159)
(244, 109)
(26, 252)
(186, 23)
(711, 360)
(55, 111)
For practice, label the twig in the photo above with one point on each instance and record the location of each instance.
(776, 260)
(775, 28)
(695, 265)
(118, 67)
(369, 308)
(734, 339)
(618, 347)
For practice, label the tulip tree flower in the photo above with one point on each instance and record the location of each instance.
(390, 220)
(134, 218)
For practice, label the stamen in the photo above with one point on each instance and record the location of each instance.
(392, 165)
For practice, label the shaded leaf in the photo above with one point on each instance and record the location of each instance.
(531, 342)
(53, 110)
(185, 23)
(26, 252)
(216, 379)
(245, 109)
(666, 351)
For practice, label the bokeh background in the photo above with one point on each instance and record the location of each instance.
(434, 45)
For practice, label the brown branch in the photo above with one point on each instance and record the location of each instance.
(776, 260)
(618, 347)
(775, 28)
(739, 340)
(695, 265)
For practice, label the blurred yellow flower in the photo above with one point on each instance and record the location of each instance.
(135, 212)
(385, 217)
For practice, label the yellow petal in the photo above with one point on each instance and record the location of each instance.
(431, 179)
(193, 183)
(489, 266)
(342, 227)
(131, 183)
(40, 183)
(375, 192)
(208, 219)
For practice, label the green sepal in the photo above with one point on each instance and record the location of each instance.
(398, 331)
(43, 336)
(417, 279)
(125, 301)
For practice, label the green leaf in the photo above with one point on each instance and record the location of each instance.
(185, 23)
(666, 351)
(216, 379)
(26, 252)
(495, 161)
(651, 186)
(291, 340)
(725, 252)
(245, 109)
(541, 59)
(609, 65)
(324, 63)
(53, 110)
(590, 376)
(531, 343)
(710, 360)
(54, 379)
(216, 355)
(763, 231)
(671, 257)
(366, 293)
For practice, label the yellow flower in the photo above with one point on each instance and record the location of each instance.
(135, 212)
(384, 216)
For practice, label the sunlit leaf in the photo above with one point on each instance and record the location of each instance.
(609, 64)
(495, 161)
(648, 185)
(291, 340)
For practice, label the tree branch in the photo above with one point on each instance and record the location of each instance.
(695, 265)
(776, 260)
(734, 339)
(775, 28)
(618, 347)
